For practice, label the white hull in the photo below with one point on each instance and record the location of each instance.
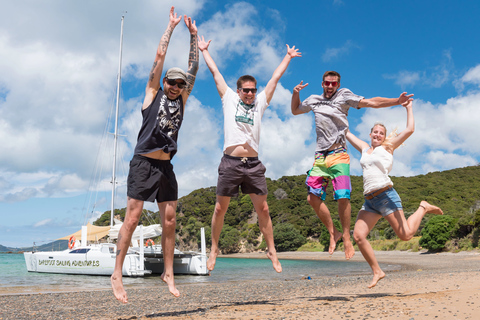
(99, 260)
(191, 263)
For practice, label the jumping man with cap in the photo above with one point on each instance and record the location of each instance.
(151, 175)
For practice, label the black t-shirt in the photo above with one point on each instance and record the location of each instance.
(161, 122)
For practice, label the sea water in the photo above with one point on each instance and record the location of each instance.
(15, 279)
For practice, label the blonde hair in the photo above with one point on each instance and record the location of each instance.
(387, 143)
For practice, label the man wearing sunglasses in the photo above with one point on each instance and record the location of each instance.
(151, 175)
(239, 166)
(332, 162)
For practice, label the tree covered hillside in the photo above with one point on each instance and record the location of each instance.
(456, 191)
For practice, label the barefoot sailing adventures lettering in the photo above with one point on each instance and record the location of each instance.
(68, 263)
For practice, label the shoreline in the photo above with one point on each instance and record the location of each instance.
(440, 286)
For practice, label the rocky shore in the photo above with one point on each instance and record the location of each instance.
(428, 286)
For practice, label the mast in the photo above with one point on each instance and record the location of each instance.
(115, 134)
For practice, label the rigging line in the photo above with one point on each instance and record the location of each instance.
(97, 170)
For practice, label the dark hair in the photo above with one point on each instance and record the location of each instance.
(245, 78)
(331, 73)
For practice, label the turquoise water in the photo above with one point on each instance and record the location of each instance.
(15, 278)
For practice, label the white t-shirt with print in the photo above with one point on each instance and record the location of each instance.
(242, 122)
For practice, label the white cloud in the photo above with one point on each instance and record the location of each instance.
(42, 223)
(199, 150)
(434, 77)
(472, 76)
(445, 135)
(58, 81)
(439, 160)
(243, 40)
(406, 79)
(334, 53)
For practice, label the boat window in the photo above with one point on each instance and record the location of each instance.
(84, 250)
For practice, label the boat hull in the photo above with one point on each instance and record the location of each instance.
(84, 261)
(100, 260)
(183, 263)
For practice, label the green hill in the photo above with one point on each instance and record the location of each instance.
(456, 191)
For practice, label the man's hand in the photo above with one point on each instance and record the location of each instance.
(190, 25)
(404, 98)
(174, 20)
(292, 52)
(202, 45)
(299, 87)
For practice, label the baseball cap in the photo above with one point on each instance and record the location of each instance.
(176, 73)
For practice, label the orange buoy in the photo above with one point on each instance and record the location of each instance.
(71, 242)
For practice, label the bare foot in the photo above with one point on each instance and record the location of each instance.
(349, 249)
(376, 278)
(169, 280)
(333, 241)
(276, 264)
(118, 290)
(212, 260)
(430, 208)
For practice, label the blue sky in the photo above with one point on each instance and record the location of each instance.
(58, 74)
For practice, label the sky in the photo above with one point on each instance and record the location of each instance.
(58, 73)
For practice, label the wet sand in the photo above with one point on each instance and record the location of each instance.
(427, 286)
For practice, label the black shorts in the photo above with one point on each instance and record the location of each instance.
(248, 173)
(151, 179)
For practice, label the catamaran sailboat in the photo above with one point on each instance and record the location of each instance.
(99, 258)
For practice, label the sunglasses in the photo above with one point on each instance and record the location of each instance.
(247, 90)
(328, 83)
(173, 82)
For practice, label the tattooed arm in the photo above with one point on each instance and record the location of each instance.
(192, 58)
(153, 83)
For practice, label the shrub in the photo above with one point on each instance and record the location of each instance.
(437, 232)
(287, 238)
(229, 240)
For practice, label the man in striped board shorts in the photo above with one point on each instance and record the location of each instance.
(332, 162)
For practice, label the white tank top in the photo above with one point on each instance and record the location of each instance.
(376, 167)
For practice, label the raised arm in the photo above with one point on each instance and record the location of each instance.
(153, 83)
(217, 76)
(192, 58)
(402, 136)
(379, 102)
(356, 142)
(278, 73)
(296, 98)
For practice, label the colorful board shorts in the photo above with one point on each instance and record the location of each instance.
(331, 165)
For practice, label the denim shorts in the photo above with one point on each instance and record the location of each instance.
(384, 204)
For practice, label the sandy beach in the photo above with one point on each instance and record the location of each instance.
(427, 286)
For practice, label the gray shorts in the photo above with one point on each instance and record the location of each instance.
(151, 179)
(247, 173)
